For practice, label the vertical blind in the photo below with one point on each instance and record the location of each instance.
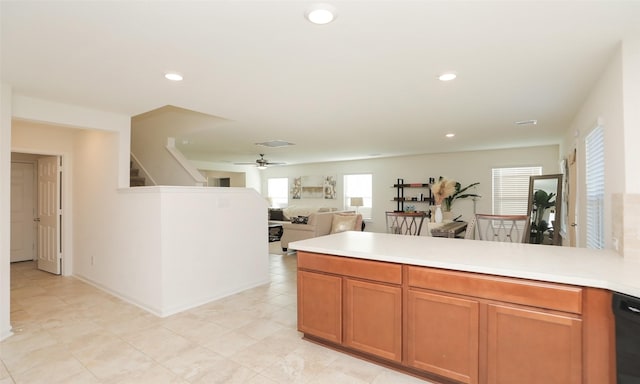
(594, 153)
(511, 189)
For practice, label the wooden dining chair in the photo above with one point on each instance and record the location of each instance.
(405, 223)
(502, 228)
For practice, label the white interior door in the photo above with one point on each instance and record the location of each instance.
(23, 235)
(49, 215)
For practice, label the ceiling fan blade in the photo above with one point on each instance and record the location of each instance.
(261, 162)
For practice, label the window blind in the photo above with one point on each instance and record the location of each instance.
(594, 174)
(510, 191)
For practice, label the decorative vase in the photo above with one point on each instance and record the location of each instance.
(438, 215)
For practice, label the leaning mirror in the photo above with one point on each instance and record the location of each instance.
(545, 194)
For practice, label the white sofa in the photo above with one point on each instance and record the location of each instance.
(320, 224)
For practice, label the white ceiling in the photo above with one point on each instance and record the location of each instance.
(364, 84)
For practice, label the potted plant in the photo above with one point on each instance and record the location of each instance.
(459, 193)
(541, 202)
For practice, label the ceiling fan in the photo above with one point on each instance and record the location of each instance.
(261, 163)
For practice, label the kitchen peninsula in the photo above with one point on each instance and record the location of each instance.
(464, 311)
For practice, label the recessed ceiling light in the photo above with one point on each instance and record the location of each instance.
(321, 13)
(447, 76)
(450, 135)
(173, 76)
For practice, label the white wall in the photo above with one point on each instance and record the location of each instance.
(224, 250)
(603, 106)
(5, 210)
(149, 140)
(465, 167)
(631, 102)
(137, 243)
(252, 175)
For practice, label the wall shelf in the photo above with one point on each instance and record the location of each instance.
(423, 197)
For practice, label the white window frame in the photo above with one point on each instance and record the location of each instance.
(359, 185)
(278, 191)
(595, 188)
(510, 189)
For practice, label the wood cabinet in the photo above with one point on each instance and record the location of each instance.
(320, 305)
(460, 327)
(354, 303)
(523, 331)
(373, 318)
(442, 335)
(529, 346)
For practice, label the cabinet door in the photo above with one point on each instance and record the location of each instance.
(373, 318)
(531, 347)
(442, 335)
(320, 305)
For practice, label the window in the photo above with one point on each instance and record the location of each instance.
(511, 189)
(278, 192)
(359, 186)
(594, 174)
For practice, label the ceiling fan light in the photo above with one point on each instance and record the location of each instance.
(261, 167)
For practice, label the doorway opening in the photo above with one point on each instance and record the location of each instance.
(36, 210)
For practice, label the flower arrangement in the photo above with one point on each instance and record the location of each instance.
(442, 189)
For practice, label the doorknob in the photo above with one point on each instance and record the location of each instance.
(37, 219)
(574, 224)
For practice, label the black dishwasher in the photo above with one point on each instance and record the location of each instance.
(626, 310)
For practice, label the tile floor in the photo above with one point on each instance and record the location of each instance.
(66, 331)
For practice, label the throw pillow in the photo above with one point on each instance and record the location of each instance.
(276, 214)
(343, 222)
(300, 220)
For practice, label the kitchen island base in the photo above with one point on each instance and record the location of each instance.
(448, 326)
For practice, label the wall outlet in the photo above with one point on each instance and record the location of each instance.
(616, 244)
(91, 260)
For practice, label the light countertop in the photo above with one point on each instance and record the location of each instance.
(578, 266)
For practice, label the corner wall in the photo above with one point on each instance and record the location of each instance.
(5, 210)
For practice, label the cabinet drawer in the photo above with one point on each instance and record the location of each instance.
(345, 266)
(518, 291)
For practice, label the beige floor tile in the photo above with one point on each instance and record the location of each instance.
(225, 372)
(193, 327)
(161, 344)
(229, 343)
(3, 371)
(302, 365)
(356, 368)
(193, 363)
(389, 376)
(115, 359)
(259, 355)
(248, 338)
(260, 328)
(156, 374)
(257, 379)
(55, 370)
